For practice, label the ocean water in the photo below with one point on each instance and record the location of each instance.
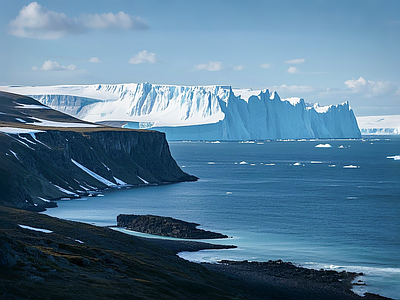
(332, 207)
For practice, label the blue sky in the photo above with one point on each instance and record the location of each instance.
(323, 51)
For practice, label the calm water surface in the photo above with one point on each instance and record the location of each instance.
(336, 207)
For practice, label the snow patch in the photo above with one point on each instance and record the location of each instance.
(35, 229)
(94, 175)
(47, 123)
(15, 154)
(65, 191)
(119, 181)
(144, 181)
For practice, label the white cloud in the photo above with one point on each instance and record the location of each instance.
(239, 67)
(110, 20)
(36, 21)
(265, 66)
(143, 57)
(293, 70)
(50, 65)
(369, 88)
(94, 60)
(295, 61)
(210, 66)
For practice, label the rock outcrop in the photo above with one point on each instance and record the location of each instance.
(165, 226)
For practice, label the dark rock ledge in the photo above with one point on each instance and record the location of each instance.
(165, 226)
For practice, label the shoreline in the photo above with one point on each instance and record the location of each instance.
(82, 261)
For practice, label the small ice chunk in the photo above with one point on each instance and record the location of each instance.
(323, 146)
(297, 164)
(243, 163)
(229, 193)
(395, 157)
(20, 120)
(351, 167)
(211, 163)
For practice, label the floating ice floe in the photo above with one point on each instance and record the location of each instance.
(243, 163)
(211, 163)
(316, 162)
(35, 229)
(351, 167)
(323, 146)
(269, 164)
(229, 193)
(20, 120)
(395, 157)
(297, 164)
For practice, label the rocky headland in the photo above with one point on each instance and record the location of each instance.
(47, 155)
(165, 226)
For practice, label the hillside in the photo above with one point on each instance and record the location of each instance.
(47, 155)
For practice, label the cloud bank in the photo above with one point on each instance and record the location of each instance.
(210, 66)
(36, 21)
(50, 65)
(143, 57)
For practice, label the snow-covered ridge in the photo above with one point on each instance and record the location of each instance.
(200, 112)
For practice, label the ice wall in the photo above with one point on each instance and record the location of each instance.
(203, 112)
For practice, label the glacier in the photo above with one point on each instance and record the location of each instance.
(199, 112)
(379, 125)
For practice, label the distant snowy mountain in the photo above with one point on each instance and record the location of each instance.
(199, 112)
(379, 125)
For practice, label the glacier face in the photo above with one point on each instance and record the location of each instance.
(200, 112)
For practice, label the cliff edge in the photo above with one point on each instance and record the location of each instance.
(46, 155)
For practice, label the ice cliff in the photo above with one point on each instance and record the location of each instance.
(201, 112)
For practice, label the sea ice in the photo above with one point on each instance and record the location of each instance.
(243, 163)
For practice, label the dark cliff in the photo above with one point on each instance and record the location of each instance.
(40, 163)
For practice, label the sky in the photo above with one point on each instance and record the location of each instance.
(324, 51)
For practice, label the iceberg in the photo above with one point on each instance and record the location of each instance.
(210, 113)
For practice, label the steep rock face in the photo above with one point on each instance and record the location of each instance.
(39, 163)
(135, 158)
(201, 112)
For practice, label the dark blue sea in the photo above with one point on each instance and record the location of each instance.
(326, 207)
